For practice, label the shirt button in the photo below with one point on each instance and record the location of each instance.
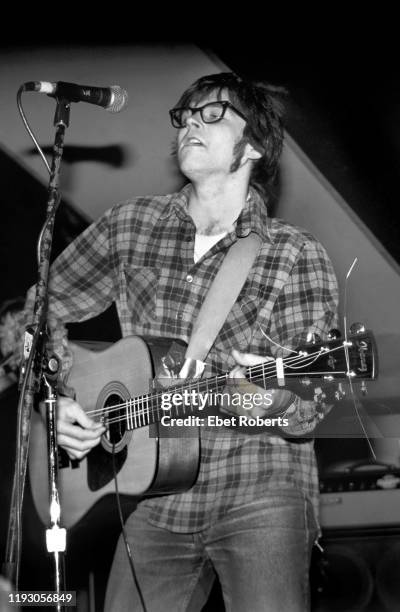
(189, 278)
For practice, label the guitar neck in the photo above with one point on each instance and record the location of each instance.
(350, 359)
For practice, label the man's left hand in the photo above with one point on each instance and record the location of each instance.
(267, 402)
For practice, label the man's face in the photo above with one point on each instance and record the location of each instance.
(206, 149)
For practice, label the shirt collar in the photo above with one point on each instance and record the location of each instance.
(253, 217)
(177, 203)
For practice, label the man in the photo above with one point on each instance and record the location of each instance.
(250, 517)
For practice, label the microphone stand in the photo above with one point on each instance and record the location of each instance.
(40, 371)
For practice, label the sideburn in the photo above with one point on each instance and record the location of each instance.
(237, 154)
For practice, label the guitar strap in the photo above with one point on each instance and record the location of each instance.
(222, 295)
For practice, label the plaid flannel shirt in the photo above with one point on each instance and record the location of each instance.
(140, 255)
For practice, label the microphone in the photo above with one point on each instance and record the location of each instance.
(113, 98)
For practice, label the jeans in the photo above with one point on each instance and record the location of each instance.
(260, 551)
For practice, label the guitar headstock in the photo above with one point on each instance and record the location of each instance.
(354, 356)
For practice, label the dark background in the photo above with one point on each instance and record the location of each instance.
(344, 112)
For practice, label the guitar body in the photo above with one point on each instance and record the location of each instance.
(146, 463)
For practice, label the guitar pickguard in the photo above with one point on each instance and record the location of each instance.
(101, 466)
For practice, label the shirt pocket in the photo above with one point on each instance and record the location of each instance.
(141, 292)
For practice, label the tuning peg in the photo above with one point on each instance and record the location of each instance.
(334, 334)
(313, 338)
(357, 328)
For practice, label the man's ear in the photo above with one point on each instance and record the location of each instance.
(251, 153)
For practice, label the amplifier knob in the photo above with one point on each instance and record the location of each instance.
(389, 481)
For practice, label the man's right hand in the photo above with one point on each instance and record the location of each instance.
(76, 432)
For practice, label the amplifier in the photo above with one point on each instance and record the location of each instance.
(364, 497)
(358, 568)
(358, 571)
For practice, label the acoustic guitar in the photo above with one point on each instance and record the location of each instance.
(116, 386)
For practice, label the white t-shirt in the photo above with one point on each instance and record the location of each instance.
(203, 243)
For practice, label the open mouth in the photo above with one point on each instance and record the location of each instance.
(192, 142)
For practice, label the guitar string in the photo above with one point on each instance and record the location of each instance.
(146, 411)
(150, 409)
(170, 390)
(259, 370)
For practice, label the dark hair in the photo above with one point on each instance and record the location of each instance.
(262, 104)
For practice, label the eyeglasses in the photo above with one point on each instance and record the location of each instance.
(212, 112)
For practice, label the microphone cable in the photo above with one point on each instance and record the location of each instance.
(28, 127)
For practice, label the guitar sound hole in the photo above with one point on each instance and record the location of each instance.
(116, 419)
